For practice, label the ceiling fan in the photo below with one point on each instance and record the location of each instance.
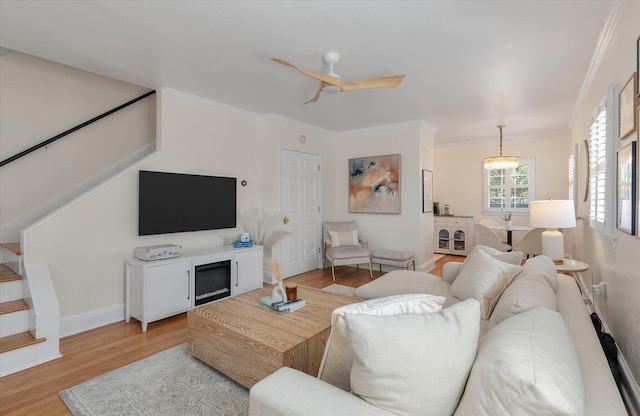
(331, 82)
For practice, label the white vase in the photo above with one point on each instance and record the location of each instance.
(278, 294)
(508, 224)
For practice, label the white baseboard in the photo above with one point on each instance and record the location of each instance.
(75, 324)
(630, 390)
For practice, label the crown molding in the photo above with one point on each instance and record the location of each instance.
(615, 12)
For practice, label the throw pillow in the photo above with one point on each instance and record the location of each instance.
(335, 367)
(483, 278)
(414, 364)
(344, 238)
(527, 365)
(511, 257)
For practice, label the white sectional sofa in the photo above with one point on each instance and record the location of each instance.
(536, 351)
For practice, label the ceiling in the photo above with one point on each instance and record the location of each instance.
(469, 65)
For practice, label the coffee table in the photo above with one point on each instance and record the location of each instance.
(247, 342)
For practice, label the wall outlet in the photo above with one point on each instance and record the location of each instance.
(600, 289)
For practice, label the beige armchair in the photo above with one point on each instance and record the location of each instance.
(343, 245)
(494, 225)
(487, 237)
(531, 243)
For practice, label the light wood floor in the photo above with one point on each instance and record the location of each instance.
(89, 354)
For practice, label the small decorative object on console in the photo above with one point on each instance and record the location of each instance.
(240, 243)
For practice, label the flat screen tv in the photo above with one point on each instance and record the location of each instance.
(178, 202)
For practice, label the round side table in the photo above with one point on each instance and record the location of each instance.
(570, 266)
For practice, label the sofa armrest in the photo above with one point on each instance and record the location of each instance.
(450, 271)
(289, 392)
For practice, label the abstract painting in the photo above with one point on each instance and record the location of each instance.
(374, 184)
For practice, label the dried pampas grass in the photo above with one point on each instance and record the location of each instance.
(260, 226)
(275, 268)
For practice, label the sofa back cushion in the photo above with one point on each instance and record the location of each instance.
(528, 290)
(544, 267)
(526, 365)
(335, 367)
(483, 278)
(414, 364)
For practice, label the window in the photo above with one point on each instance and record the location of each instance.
(510, 190)
(602, 144)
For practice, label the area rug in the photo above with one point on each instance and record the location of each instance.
(168, 383)
(341, 289)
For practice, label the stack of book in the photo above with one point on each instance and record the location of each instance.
(287, 306)
(239, 243)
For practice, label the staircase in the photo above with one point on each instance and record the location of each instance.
(21, 344)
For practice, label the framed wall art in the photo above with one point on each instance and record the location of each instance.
(638, 68)
(627, 107)
(427, 191)
(374, 184)
(626, 189)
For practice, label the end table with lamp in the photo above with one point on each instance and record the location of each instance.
(552, 214)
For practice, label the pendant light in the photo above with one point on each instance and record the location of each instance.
(501, 162)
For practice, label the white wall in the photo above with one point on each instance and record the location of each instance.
(618, 265)
(411, 230)
(40, 99)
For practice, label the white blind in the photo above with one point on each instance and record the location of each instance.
(598, 168)
(572, 176)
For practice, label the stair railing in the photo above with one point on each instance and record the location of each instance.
(71, 130)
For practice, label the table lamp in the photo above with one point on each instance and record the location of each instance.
(552, 214)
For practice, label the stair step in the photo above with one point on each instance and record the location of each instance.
(13, 247)
(8, 275)
(13, 306)
(23, 339)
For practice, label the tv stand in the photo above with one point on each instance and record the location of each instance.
(162, 288)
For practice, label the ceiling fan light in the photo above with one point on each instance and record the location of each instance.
(331, 89)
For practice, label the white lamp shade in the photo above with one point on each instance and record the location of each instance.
(552, 214)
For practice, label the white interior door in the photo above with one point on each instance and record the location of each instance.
(300, 207)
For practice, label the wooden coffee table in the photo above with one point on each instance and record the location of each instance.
(247, 342)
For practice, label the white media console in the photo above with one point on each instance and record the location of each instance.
(162, 288)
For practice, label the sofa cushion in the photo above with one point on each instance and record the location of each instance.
(528, 290)
(414, 364)
(344, 238)
(543, 266)
(512, 257)
(335, 367)
(483, 278)
(399, 282)
(526, 365)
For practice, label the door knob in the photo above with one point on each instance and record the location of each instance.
(285, 220)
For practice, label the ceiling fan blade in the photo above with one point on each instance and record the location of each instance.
(389, 81)
(315, 97)
(321, 76)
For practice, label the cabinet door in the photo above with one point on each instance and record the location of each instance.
(444, 239)
(459, 240)
(168, 290)
(246, 272)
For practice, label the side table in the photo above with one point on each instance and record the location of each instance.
(570, 266)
